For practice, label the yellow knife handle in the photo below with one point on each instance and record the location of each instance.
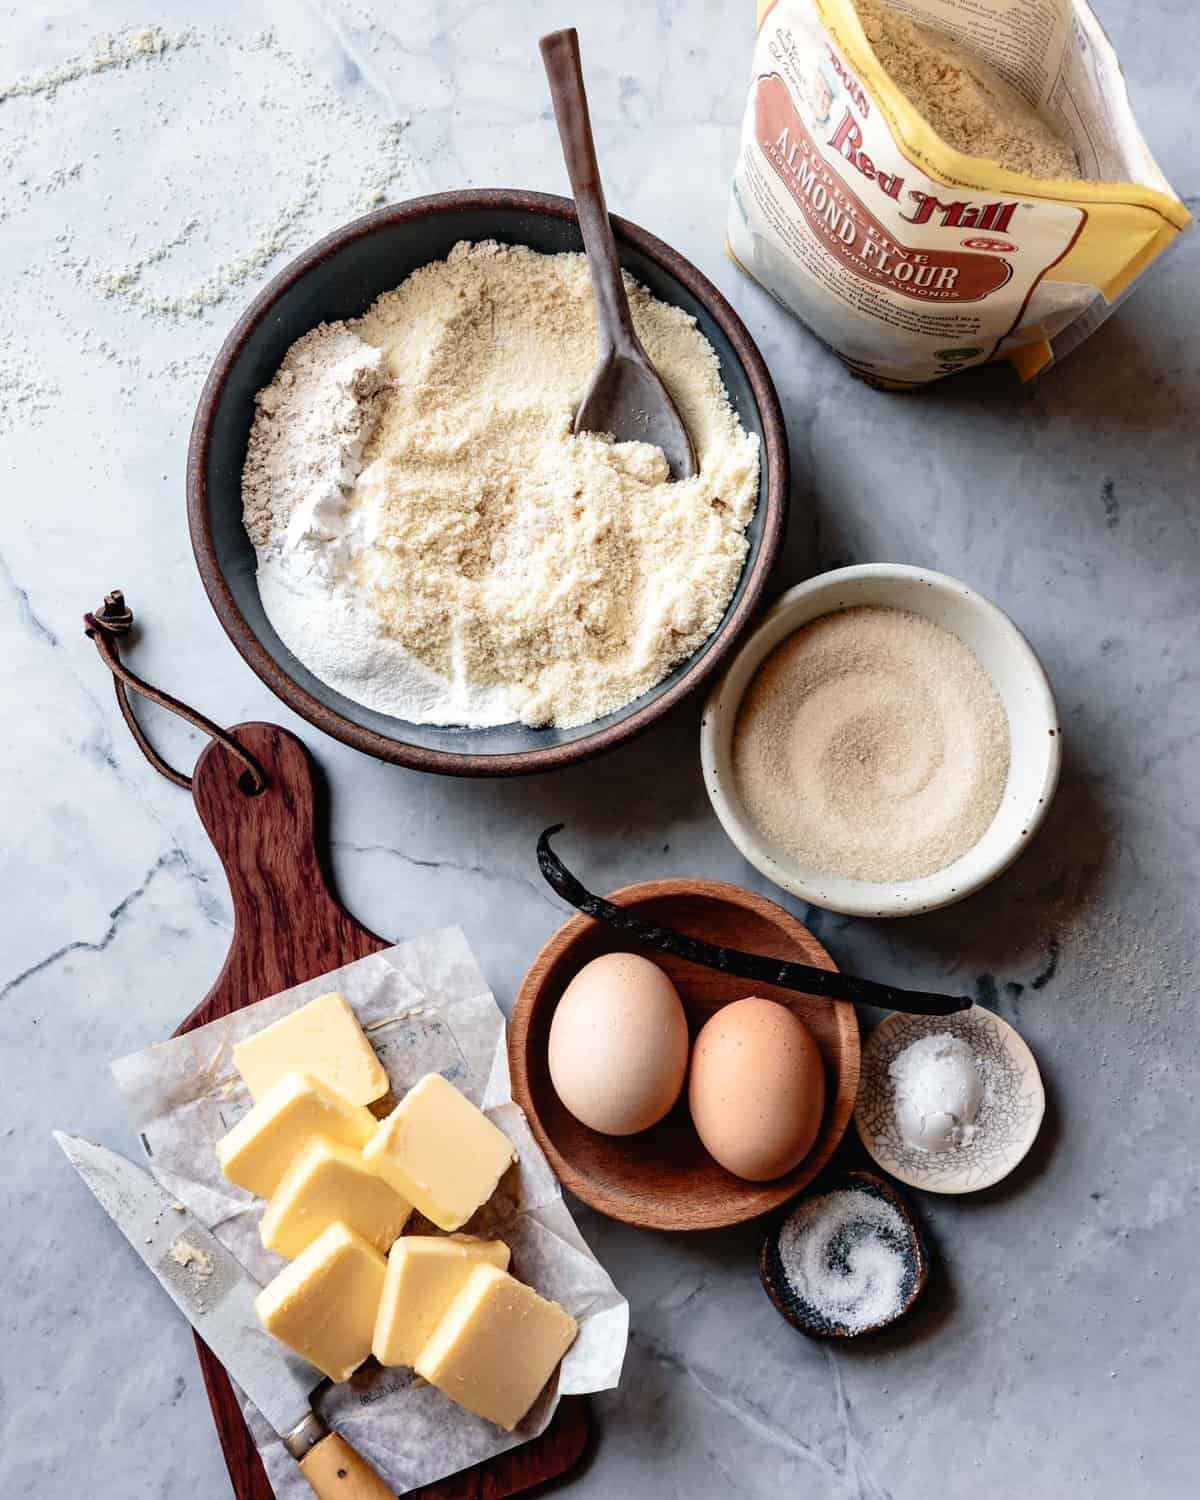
(337, 1472)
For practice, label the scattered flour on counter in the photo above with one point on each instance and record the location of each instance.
(139, 45)
(26, 389)
(61, 176)
(272, 238)
(262, 147)
(296, 109)
(446, 550)
(122, 281)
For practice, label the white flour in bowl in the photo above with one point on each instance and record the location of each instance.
(435, 543)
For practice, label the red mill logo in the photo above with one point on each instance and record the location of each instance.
(848, 229)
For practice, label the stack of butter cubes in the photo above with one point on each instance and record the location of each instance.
(341, 1186)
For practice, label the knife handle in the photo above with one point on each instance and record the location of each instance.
(337, 1472)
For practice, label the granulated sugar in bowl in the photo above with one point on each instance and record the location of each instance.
(885, 743)
(872, 744)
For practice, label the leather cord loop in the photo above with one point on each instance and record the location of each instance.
(105, 627)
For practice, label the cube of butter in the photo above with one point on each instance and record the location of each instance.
(323, 1305)
(424, 1275)
(323, 1039)
(440, 1152)
(260, 1147)
(328, 1181)
(497, 1346)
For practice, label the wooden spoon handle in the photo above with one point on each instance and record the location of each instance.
(337, 1472)
(560, 53)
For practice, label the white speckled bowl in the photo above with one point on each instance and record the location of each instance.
(1019, 679)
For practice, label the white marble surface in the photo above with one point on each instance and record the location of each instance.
(1057, 1353)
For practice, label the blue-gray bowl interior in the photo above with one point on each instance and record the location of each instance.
(343, 285)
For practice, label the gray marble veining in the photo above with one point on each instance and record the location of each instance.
(1056, 1351)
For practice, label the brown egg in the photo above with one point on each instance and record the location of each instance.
(619, 1044)
(756, 1089)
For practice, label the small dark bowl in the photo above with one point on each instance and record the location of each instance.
(813, 1321)
(339, 277)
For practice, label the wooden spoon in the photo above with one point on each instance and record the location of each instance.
(625, 395)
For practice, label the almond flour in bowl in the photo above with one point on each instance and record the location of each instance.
(432, 540)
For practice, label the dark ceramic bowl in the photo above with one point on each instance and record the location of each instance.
(908, 1243)
(339, 278)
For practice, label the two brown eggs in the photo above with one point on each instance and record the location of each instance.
(619, 1054)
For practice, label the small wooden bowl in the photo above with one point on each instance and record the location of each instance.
(664, 1178)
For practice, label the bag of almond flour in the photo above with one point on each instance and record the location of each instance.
(932, 184)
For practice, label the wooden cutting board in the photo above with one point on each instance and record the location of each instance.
(289, 927)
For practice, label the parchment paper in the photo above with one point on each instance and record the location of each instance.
(427, 1008)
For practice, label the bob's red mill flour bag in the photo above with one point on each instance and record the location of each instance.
(932, 184)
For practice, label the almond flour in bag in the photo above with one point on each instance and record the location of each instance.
(930, 187)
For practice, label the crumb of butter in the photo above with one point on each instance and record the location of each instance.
(199, 1262)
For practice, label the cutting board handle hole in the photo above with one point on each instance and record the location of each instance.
(249, 784)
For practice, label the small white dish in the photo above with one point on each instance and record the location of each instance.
(1007, 657)
(1008, 1121)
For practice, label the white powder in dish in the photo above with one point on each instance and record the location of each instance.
(434, 542)
(843, 1253)
(939, 1092)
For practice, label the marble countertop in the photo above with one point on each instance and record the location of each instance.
(1057, 1346)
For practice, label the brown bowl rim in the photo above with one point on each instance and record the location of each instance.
(769, 1195)
(525, 762)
